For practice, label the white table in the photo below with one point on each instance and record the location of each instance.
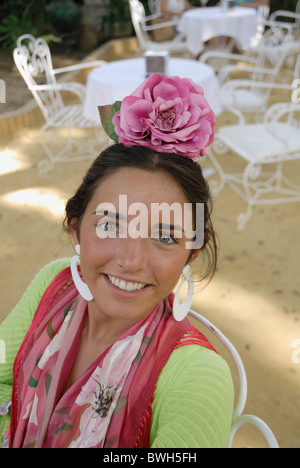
(115, 80)
(201, 24)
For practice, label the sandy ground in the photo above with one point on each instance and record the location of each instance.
(254, 298)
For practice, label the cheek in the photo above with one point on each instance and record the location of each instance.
(93, 251)
(170, 270)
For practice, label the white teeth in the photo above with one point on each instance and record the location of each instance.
(126, 286)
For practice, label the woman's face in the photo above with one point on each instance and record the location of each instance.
(130, 257)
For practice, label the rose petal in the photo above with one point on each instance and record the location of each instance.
(168, 114)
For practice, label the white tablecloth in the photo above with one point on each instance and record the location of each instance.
(201, 24)
(115, 80)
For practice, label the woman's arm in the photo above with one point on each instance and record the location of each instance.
(193, 402)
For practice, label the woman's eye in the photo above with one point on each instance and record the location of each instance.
(164, 238)
(108, 226)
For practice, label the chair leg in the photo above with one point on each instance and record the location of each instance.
(243, 218)
(75, 148)
(215, 186)
(45, 165)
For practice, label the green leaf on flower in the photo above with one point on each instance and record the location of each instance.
(106, 115)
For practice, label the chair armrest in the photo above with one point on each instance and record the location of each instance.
(232, 85)
(284, 14)
(276, 111)
(259, 424)
(274, 24)
(225, 71)
(151, 27)
(160, 15)
(228, 88)
(79, 66)
(72, 87)
(237, 57)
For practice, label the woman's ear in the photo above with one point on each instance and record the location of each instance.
(74, 230)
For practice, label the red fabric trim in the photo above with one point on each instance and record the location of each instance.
(55, 287)
(190, 337)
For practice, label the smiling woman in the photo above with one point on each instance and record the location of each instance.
(109, 358)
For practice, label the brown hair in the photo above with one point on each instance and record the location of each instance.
(186, 172)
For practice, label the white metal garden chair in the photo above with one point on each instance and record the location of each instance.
(284, 17)
(154, 7)
(143, 29)
(33, 59)
(263, 65)
(269, 145)
(239, 419)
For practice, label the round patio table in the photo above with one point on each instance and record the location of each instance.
(115, 80)
(202, 24)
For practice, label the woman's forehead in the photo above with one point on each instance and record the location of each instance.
(140, 185)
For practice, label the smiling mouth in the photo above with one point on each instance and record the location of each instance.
(126, 285)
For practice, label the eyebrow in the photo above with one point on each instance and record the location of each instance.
(172, 227)
(111, 214)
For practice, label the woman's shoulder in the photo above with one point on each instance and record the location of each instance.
(47, 273)
(53, 268)
(192, 366)
(193, 358)
(193, 400)
(39, 284)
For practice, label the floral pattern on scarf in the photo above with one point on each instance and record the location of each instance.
(110, 404)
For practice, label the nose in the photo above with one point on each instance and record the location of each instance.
(132, 254)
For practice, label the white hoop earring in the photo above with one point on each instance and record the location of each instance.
(81, 287)
(180, 311)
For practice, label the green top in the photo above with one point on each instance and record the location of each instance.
(193, 400)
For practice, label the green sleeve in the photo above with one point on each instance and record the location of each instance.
(13, 330)
(193, 401)
(195, 386)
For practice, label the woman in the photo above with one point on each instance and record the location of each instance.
(252, 3)
(174, 7)
(110, 359)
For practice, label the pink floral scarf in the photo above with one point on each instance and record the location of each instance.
(110, 404)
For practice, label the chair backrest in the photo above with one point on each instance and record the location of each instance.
(138, 16)
(297, 21)
(292, 18)
(238, 418)
(277, 46)
(263, 12)
(154, 7)
(33, 59)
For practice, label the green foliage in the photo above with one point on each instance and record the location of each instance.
(11, 28)
(64, 15)
(19, 17)
(117, 20)
(117, 11)
(289, 5)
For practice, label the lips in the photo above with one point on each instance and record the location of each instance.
(126, 285)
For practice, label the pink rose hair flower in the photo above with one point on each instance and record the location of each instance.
(167, 114)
